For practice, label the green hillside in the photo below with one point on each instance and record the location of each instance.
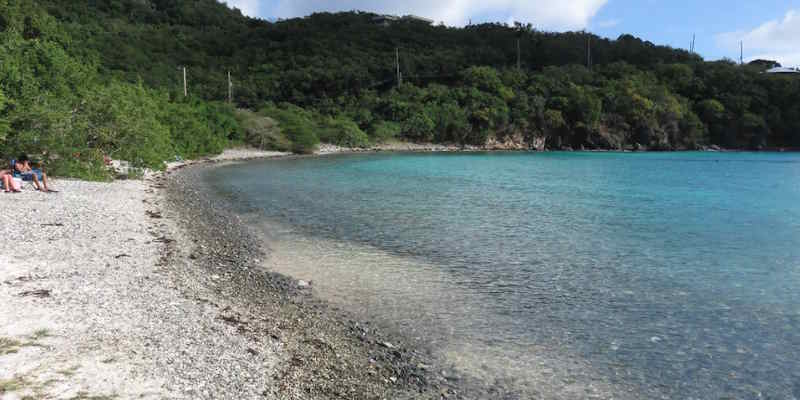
(106, 77)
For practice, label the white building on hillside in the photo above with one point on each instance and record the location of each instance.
(387, 20)
(782, 70)
(418, 19)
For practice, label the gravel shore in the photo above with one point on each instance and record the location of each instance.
(151, 289)
(325, 352)
(96, 304)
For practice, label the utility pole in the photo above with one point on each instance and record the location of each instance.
(397, 63)
(741, 52)
(519, 57)
(230, 88)
(589, 52)
(185, 87)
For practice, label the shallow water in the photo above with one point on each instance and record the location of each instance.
(555, 275)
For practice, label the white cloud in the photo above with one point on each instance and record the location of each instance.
(248, 7)
(543, 14)
(777, 39)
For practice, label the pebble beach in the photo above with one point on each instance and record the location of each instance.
(150, 289)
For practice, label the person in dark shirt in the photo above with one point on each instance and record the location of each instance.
(22, 168)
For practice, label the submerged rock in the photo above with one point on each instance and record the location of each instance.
(655, 339)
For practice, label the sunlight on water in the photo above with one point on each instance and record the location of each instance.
(669, 275)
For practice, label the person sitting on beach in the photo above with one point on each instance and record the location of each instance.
(22, 169)
(7, 177)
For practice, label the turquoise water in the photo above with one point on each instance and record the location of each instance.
(555, 275)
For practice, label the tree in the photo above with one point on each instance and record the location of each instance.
(3, 121)
(418, 126)
(713, 113)
(753, 131)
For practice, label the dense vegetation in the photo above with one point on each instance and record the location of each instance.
(57, 105)
(83, 79)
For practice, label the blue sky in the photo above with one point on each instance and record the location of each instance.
(769, 28)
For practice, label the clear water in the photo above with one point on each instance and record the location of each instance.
(555, 275)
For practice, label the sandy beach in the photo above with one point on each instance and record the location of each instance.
(149, 289)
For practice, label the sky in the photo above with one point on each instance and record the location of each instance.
(769, 29)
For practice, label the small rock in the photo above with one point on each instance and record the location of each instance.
(41, 293)
(387, 345)
(302, 284)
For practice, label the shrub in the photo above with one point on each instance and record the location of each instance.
(418, 127)
(296, 124)
(343, 132)
(198, 130)
(262, 132)
(385, 131)
(223, 122)
(124, 121)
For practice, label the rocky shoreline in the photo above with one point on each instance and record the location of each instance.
(151, 289)
(508, 145)
(324, 353)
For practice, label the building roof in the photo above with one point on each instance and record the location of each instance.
(388, 19)
(419, 19)
(782, 70)
(385, 17)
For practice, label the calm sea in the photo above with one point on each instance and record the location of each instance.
(554, 275)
